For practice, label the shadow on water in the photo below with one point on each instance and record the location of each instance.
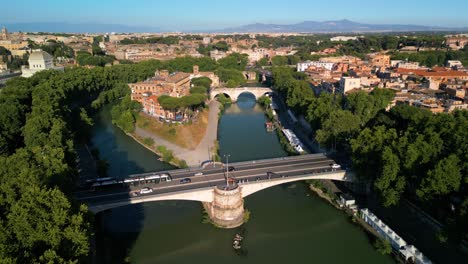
(118, 229)
(286, 225)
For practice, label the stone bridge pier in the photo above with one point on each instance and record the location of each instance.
(227, 208)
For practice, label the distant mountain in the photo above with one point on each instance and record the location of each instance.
(339, 26)
(56, 27)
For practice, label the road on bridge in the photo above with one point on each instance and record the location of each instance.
(244, 172)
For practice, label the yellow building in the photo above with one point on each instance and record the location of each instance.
(13, 45)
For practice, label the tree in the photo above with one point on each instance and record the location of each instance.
(389, 184)
(198, 90)
(299, 96)
(366, 149)
(262, 62)
(202, 81)
(279, 60)
(235, 61)
(383, 246)
(337, 129)
(442, 180)
(231, 76)
(45, 229)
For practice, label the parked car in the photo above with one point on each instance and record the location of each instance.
(146, 190)
(185, 180)
(335, 166)
(231, 168)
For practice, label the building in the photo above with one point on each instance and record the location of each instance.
(407, 65)
(343, 38)
(348, 83)
(217, 55)
(302, 66)
(206, 40)
(408, 252)
(380, 60)
(176, 85)
(342, 59)
(452, 105)
(457, 42)
(211, 75)
(4, 35)
(347, 200)
(435, 73)
(39, 61)
(454, 64)
(456, 91)
(13, 44)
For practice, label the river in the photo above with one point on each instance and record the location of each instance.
(287, 225)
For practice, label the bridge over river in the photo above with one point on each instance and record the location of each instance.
(234, 93)
(224, 203)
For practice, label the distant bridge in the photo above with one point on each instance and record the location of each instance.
(252, 176)
(234, 93)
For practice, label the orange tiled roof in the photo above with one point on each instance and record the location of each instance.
(424, 73)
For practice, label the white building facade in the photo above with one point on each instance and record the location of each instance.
(39, 61)
(302, 66)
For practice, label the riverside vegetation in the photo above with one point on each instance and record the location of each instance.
(404, 152)
(43, 118)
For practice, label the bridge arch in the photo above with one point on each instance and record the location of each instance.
(253, 187)
(234, 93)
(201, 195)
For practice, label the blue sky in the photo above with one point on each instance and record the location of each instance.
(212, 14)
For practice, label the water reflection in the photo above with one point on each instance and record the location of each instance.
(287, 224)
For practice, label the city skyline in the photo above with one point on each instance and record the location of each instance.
(204, 15)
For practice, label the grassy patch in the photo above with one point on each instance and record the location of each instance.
(184, 135)
(246, 216)
(148, 141)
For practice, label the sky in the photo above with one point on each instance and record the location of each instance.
(218, 14)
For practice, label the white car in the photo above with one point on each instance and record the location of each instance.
(146, 190)
(335, 166)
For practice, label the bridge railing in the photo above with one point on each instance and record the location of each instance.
(199, 169)
(278, 159)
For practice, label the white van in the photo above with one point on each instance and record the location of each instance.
(146, 190)
(198, 174)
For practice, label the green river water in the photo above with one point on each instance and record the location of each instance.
(288, 224)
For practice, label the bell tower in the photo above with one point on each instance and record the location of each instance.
(4, 35)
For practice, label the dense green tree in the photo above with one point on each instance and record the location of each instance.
(279, 60)
(231, 76)
(235, 61)
(262, 62)
(299, 96)
(366, 149)
(201, 81)
(389, 184)
(383, 246)
(339, 127)
(445, 178)
(198, 90)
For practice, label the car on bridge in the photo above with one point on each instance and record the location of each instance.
(185, 180)
(335, 166)
(146, 190)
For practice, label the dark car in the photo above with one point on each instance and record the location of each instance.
(231, 168)
(185, 180)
